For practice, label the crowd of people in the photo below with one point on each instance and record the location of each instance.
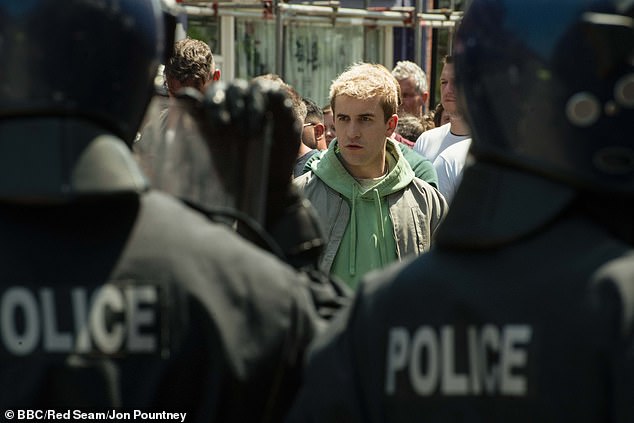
(236, 252)
(381, 210)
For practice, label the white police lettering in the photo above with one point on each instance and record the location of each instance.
(112, 319)
(12, 300)
(106, 339)
(53, 339)
(495, 357)
(141, 318)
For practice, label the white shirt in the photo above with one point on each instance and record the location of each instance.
(449, 166)
(432, 142)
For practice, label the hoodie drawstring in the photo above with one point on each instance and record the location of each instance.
(377, 204)
(353, 233)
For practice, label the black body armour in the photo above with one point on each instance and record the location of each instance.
(521, 313)
(136, 302)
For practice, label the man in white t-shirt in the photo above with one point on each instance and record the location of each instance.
(432, 142)
(449, 166)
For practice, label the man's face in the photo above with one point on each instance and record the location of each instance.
(313, 136)
(308, 136)
(361, 135)
(413, 100)
(329, 123)
(447, 89)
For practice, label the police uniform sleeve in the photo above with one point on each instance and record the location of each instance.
(337, 385)
(328, 394)
(612, 297)
(266, 320)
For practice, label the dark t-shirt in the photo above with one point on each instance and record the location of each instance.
(300, 164)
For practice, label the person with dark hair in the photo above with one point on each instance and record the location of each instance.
(315, 139)
(329, 123)
(410, 127)
(431, 143)
(313, 136)
(191, 65)
(116, 298)
(447, 146)
(522, 311)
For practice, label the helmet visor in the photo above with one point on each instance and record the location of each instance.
(176, 157)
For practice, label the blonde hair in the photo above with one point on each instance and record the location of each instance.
(367, 80)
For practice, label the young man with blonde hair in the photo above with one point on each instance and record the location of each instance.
(373, 209)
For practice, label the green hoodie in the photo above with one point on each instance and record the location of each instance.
(368, 242)
(422, 167)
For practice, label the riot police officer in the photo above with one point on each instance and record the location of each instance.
(523, 311)
(113, 295)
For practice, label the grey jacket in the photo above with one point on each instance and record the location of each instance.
(415, 211)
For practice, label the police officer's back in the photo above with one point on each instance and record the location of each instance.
(112, 295)
(523, 311)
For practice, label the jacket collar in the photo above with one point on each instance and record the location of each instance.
(331, 171)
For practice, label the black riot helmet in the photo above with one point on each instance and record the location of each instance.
(94, 59)
(549, 88)
(75, 79)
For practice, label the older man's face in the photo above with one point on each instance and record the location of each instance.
(413, 101)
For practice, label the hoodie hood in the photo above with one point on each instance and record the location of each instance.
(332, 172)
(368, 242)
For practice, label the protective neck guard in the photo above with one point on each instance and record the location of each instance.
(496, 205)
(58, 159)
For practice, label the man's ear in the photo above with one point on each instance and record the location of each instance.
(216, 75)
(319, 129)
(391, 124)
(425, 97)
(320, 136)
